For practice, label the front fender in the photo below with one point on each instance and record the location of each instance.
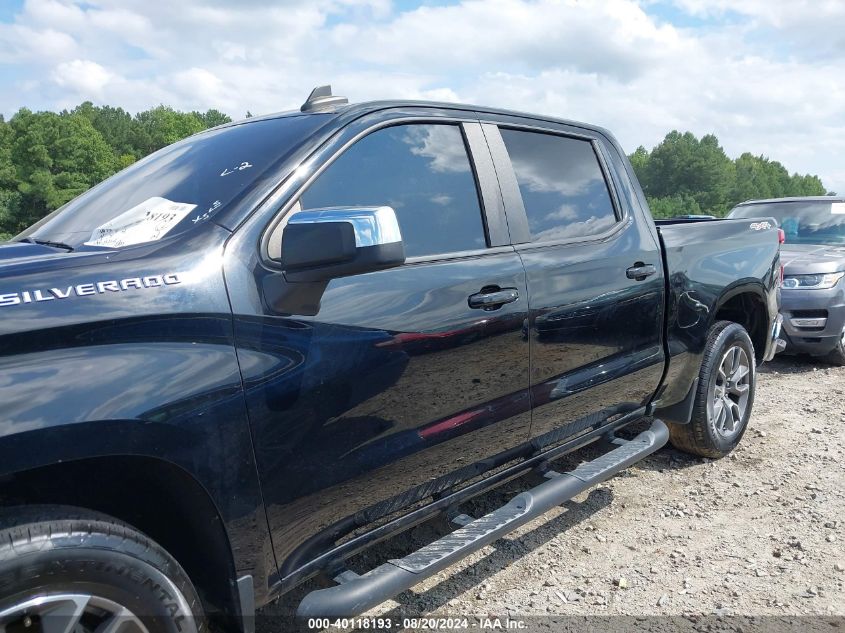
(180, 402)
(149, 373)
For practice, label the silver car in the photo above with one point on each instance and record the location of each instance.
(813, 256)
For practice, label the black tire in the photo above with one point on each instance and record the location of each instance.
(701, 436)
(62, 550)
(837, 355)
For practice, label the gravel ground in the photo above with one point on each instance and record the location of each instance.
(758, 533)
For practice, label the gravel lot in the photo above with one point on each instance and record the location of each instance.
(758, 533)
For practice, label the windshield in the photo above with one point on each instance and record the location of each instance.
(803, 222)
(177, 187)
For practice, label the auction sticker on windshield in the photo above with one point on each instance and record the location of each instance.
(147, 222)
(837, 208)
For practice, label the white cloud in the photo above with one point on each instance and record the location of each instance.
(188, 84)
(764, 76)
(565, 212)
(613, 38)
(590, 226)
(55, 14)
(34, 47)
(441, 146)
(811, 28)
(83, 77)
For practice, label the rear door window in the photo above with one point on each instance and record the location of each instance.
(423, 172)
(562, 185)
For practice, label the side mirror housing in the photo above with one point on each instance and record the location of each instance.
(324, 244)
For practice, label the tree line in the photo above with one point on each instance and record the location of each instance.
(48, 158)
(684, 175)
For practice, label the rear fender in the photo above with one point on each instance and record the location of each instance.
(695, 313)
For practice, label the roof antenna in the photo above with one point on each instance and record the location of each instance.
(321, 99)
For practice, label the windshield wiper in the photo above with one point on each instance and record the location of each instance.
(32, 240)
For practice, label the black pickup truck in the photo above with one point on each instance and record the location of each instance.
(259, 351)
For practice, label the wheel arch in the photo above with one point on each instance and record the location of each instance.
(152, 495)
(746, 305)
(743, 302)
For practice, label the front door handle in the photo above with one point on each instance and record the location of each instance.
(493, 298)
(640, 271)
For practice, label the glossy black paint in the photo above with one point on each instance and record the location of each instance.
(148, 372)
(303, 425)
(381, 390)
(395, 382)
(595, 335)
(702, 282)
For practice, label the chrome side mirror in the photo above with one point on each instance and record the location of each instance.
(323, 244)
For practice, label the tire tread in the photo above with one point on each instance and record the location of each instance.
(23, 528)
(691, 438)
(837, 356)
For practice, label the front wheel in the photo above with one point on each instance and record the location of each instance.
(725, 394)
(66, 570)
(837, 356)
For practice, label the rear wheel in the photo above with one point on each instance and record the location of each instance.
(725, 394)
(66, 570)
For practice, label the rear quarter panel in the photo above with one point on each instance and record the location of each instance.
(707, 264)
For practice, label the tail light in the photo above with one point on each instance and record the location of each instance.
(781, 236)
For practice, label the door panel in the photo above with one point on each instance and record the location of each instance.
(396, 387)
(595, 334)
(395, 383)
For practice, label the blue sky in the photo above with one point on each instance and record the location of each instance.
(765, 76)
(9, 9)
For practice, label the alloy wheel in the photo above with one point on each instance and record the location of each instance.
(69, 613)
(729, 392)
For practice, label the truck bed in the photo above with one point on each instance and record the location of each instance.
(702, 258)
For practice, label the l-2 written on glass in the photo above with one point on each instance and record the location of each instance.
(241, 167)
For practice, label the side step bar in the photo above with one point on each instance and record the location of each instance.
(358, 593)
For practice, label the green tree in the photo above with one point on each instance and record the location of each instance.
(751, 180)
(684, 175)
(161, 126)
(8, 176)
(9, 194)
(114, 124)
(671, 206)
(639, 161)
(48, 158)
(777, 178)
(681, 165)
(212, 118)
(57, 157)
(757, 178)
(807, 185)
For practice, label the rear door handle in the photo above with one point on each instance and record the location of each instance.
(640, 271)
(493, 298)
